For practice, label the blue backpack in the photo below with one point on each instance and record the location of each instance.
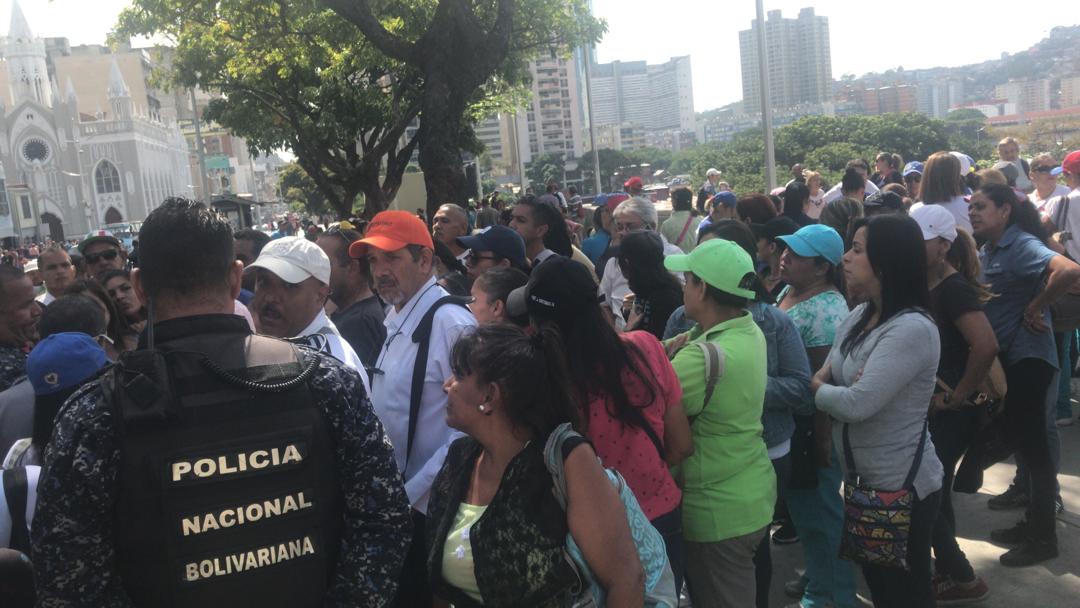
(660, 589)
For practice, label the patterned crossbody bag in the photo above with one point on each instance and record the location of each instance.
(877, 522)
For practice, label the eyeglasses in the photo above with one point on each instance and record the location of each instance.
(1041, 169)
(102, 340)
(475, 259)
(109, 256)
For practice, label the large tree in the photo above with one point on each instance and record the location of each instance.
(291, 74)
(466, 51)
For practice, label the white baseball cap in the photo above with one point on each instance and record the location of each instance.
(294, 259)
(712, 172)
(967, 165)
(936, 222)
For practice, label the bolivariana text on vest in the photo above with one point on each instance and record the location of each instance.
(248, 560)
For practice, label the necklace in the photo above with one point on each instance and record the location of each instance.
(390, 340)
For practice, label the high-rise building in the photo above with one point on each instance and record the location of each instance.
(552, 123)
(656, 100)
(1070, 92)
(1027, 95)
(935, 97)
(799, 60)
(900, 98)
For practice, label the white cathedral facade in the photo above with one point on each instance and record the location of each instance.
(65, 171)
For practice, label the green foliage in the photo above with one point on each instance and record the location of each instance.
(300, 191)
(610, 161)
(543, 168)
(290, 74)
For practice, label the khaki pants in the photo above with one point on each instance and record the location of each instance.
(721, 574)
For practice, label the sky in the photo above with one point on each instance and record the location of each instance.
(913, 34)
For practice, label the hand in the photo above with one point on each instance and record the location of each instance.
(673, 346)
(821, 378)
(1033, 321)
(938, 403)
(633, 319)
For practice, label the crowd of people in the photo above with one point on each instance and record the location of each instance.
(365, 414)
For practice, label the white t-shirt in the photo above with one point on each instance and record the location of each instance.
(834, 193)
(32, 474)
(322, 334)
(817, 203)
(1072, 221)
(1040, 203)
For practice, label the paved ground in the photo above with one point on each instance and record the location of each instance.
(1053, 584)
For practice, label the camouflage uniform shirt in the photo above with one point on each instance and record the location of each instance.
(72, 533)
(12, 365)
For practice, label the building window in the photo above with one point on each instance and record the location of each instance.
(28, 214)
(106, 178)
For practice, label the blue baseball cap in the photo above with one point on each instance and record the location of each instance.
(816, 240)
(725, 197)
(500, 240)
(62, 361)
(913, 167)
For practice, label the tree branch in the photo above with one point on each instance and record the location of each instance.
(358, 12)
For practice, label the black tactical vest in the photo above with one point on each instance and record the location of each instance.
(228, 493)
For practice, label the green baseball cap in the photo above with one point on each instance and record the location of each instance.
(720, 263)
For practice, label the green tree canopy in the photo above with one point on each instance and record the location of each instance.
(543, 168)
(293, 75)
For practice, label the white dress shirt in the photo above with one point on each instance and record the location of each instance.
(322, 334)
(391, 386)
(45, 299)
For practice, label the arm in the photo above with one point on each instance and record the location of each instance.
(789, 390)
(900, 354)
(1062, 275)
(979, 336)
(378, 524)
(74, 554)
(597, 520)
(678, 443)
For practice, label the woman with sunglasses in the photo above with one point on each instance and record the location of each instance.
(1027, 277)
(496, 534)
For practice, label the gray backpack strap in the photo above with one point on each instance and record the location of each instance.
(715, 360)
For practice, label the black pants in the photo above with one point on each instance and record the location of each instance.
(952, 432)
(763, 555)
(414, 591)
(669, 525)
(1025, 421)
(896, 588)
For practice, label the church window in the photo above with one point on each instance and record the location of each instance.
(106, 178)
(35, 150)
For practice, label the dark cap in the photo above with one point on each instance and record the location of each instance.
(885, 199)
(776, 227)
(559, 288)
(500, 240)
(99, 236)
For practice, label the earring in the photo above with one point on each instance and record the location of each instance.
(483, 408)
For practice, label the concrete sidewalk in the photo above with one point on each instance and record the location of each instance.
(1052, 584)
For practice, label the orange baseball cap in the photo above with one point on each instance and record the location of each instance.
(392, 230)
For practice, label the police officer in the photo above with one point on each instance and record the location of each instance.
(211, 467)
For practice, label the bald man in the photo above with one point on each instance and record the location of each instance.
(450, 222)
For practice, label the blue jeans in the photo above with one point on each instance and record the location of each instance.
(1065, 344)
(819, 516)
(669, 525)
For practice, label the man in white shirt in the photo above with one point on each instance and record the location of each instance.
(1063, 212)
(292, 284)
(859, 165)
(57, 271)
(399, 251)
(1046, 182)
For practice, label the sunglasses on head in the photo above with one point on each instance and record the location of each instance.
(109, 255)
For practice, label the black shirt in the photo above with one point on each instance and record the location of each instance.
(362, 327)
(951, 299)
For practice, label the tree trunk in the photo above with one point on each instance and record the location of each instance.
(440, 155)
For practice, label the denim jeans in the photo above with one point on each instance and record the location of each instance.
(669, 525)
(818, 514)
(911, 588)
(1064, 401)
(763, 555)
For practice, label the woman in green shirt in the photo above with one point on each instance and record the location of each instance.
(729, 487)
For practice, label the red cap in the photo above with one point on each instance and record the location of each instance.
(634, 183)
(1072, 162)
(392, 230)
(613, 200)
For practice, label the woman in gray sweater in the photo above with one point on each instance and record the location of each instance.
(878, 381)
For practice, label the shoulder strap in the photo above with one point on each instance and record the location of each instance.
(15, 491)
(685, 227)
(910, 479)
(554, 459)
(422, 336)
(715, 360)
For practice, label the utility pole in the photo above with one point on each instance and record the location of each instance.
(199, 148)
(766, 106)
(592, 125)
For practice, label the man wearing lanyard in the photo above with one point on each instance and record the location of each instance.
(399, 250)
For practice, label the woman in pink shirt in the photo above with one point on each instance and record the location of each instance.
(633, 414)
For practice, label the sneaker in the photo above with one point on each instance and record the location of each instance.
(1064, 422)
(1013, 498)
(1059, 506)
(785, 534)
(1016, 535)
(1029, 554)
(797, 588)
(952, 593)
